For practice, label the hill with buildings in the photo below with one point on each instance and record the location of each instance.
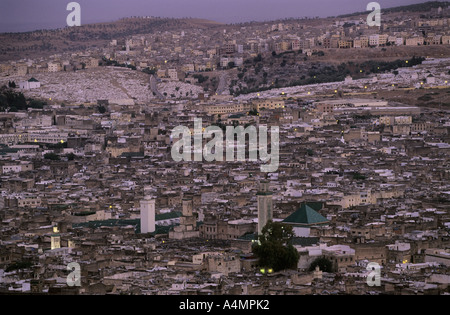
(40, 43)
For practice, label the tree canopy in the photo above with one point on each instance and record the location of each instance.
(324, 264)
(275, 249)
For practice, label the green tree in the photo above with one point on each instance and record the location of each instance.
(253, 112)
(51, 156)
(101, 109)
(324, 264)
(24, 264)
(70, 156)
(275, 249)
(257, 58)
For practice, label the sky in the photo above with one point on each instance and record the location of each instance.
(28, 15)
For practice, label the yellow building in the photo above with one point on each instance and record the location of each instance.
(53, 67)
(229, 108)
(414, 41)
(345, 43)
(268, 104)
(21, 69)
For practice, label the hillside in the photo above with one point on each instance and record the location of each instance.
(46, 42)
(419, 7)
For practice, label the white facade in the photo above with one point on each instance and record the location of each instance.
(147, 215)
(11, 169)
(28, 85)
(374, 40)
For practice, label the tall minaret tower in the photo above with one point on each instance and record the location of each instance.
(265, 205)
(188, 222)
(127, 46)
(55, 238)
(147, 215)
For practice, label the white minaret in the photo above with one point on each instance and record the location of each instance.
(147, 215)
(127, 46)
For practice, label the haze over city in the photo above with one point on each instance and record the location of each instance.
(29, 15)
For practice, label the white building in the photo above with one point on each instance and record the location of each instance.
(374, 40)
(147, 215)
(30, 84)
(399, 41)
(17, 168)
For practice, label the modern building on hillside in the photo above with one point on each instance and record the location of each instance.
(30, 84)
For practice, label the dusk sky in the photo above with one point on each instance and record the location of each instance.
(27, 15)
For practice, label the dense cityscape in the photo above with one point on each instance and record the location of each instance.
(93, 201)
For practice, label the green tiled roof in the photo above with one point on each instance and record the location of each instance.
(134, 222)
(167, 215)
(305, 215)
(248, 237)
(316, 205)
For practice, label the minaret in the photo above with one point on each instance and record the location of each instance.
(55, 239)
(147, 215)
(127, 46)
(187, 219)
(188, 222)
(265, 205)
